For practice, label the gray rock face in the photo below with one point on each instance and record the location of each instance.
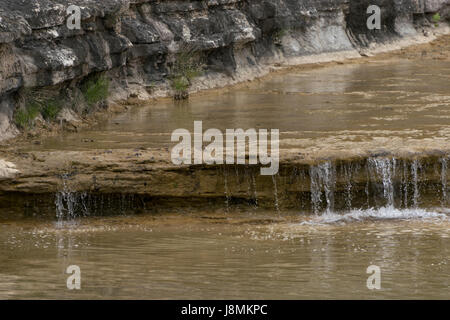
(434, 5)
(136, 40)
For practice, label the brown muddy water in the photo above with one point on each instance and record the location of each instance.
(260, 254)
(232, 257)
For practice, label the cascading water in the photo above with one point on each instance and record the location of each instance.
(384, 168)
(328, 187)
(444, 167)
(323, 179)
(415, 167)
(69, 203)
(255, 194)
(348, 172)
(348, 187)
(227, 194)
(404, 183)
(275, 193)
(386, 183)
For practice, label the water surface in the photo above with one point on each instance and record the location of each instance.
(381, 101)
(227, 257)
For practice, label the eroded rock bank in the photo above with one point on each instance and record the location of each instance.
(136, 42)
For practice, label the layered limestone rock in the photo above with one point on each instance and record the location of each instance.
(135, 41)
(106, 182)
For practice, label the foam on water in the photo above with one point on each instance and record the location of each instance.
(384, 213)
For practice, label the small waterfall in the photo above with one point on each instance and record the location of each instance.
(366, 189)
(348, 172)
(275, 192)
(323, 180)
(329, 187)
(404, 183)
(68, 203)
(385, 168)
(255, 195)
(444, 166)
(227, 195)
(415, 166)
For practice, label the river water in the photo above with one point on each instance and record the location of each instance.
(257, 254)
(375, 105)
(239, 257)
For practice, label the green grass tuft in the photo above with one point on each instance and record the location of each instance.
(21, 119)
(180, 84)
(51, 108)
(184, 70)
(24, 117)
(96, 90)
(437, 17)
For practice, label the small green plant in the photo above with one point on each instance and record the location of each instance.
(180, 85)
(184, 70)
(436, 19)
(24, 117)
(43, 102)
(51, 108)
(96, 90)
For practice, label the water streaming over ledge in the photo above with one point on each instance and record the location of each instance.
(444, 165)
(323, 181)
(390, 183)
(327, 188)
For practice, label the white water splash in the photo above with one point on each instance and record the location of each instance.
(384, 213)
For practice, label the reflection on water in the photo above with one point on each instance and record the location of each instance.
(227, 256)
